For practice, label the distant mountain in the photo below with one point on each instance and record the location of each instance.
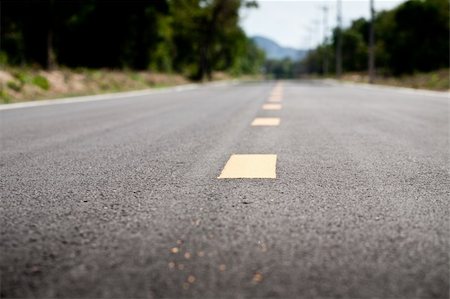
(275, 51)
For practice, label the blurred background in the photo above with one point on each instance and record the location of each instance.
(54, 48)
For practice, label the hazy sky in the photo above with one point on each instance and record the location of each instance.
(298, 23)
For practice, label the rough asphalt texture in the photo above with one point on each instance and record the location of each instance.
(95, 196)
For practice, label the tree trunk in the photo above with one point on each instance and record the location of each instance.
(51, 56)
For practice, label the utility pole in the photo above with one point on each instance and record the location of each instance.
(315, 32)
(325, 39)
(339, 40)
(308, 52)
(372, 44)
(310, 43)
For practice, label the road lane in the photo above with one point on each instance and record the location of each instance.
(96, 196)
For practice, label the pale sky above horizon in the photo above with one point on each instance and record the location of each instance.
(299, 23)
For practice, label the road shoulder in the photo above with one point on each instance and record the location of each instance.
(117, 95)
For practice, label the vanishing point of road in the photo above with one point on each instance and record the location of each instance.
(294, 189)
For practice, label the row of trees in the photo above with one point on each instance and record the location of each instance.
(412, 37)
(284, 68)
(192, 37)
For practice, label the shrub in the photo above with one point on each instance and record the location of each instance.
(3, 58)
(22, 77)
(41, 82)
(14, 85)
(4, 97)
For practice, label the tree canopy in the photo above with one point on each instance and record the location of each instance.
(411, 37)
(193, 37)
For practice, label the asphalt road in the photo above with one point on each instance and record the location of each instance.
(121, 198)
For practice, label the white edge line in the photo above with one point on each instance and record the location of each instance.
(118, 95)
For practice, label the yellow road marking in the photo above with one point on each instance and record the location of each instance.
(271, 107)
(277, 93)
(250, 167)
(266, 121)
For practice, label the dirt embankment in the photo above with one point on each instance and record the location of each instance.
(18, 84)
(437, 80)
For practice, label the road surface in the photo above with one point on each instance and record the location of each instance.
(133, 197)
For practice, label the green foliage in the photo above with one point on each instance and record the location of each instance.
(41, 82)
(280, 69)
(412, 37)
(14, 86)
(22, 77)
(193, 37)
(207, 36)
(4, 97)
(3, 58)
(250, 60)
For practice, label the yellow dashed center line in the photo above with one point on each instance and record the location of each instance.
(277, 93)
(250, 166)
(256, 166)
(266, 121)
(271, 107)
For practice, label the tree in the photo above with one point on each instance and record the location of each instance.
(204, 28)
(411, 37)
(193, 37)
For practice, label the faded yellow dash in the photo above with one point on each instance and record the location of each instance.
(266, 121)
(250, 167)
(271, 106)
